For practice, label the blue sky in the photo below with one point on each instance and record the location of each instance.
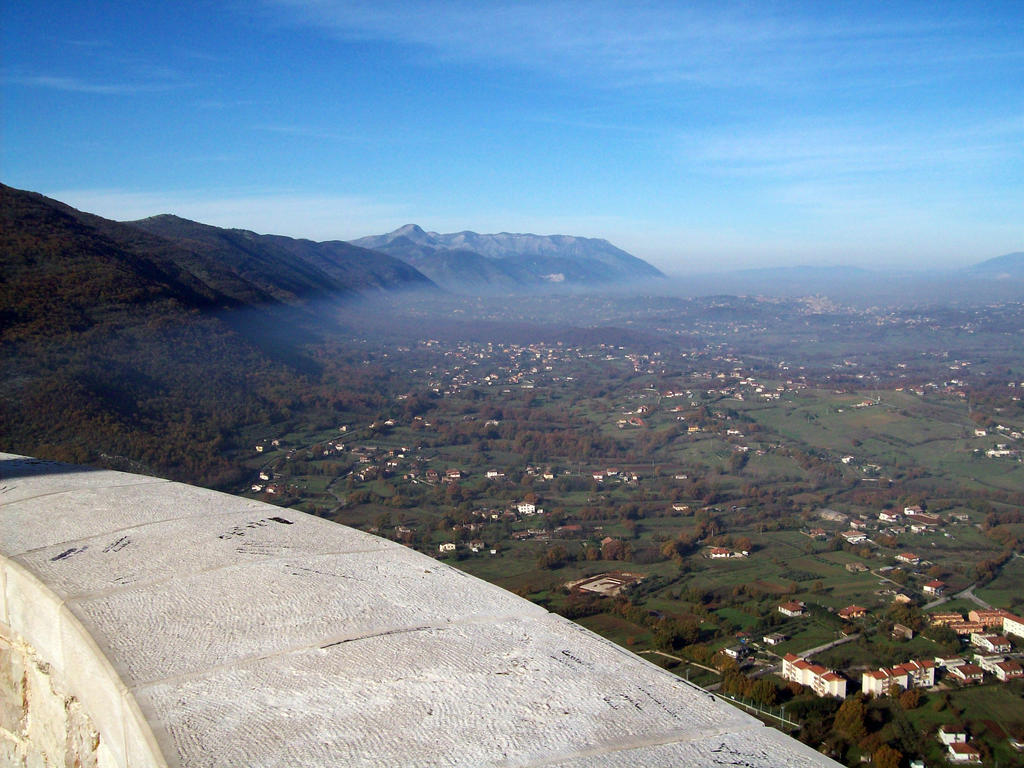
(698, 136)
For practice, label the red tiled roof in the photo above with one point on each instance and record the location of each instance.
(963, 749)
(968, 670)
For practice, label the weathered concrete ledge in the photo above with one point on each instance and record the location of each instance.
(70, 666)
(196, 628)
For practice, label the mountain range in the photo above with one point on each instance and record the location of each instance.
(467, 261)
(1010, 265)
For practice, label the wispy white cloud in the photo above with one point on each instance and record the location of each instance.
(564, 37)
(77, 85)
(605, 42)
(809, 149)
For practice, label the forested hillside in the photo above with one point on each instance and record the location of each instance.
(125, 348)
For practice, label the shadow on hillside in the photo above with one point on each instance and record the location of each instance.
(28, 467)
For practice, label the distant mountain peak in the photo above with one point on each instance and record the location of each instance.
(166, 217)
(410, 233)
(409, 229)
(508, 260)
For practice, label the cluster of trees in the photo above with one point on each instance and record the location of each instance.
(557, 555)
(762, 691)
(986, 570)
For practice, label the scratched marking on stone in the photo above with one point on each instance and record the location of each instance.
(662, 705)
(117, 546)
(260, 548)
(242, 530)
(403, 631)
(726, 755)
(569, 659)
(7, 488)
(69, 553)
(623, 701)
(300, 570)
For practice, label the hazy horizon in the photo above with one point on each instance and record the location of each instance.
(727, 135)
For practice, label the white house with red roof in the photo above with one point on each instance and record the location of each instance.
(853, 612)
(792, 609)
(921, 673)
(963, 754)
(1007, 670)
(990, 643)
(934, 588)
(910, 674)
(967, 673)
(824, 682)
(882, 682)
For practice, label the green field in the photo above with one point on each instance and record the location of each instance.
(1006, 588)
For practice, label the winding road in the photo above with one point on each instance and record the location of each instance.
(966, 594)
